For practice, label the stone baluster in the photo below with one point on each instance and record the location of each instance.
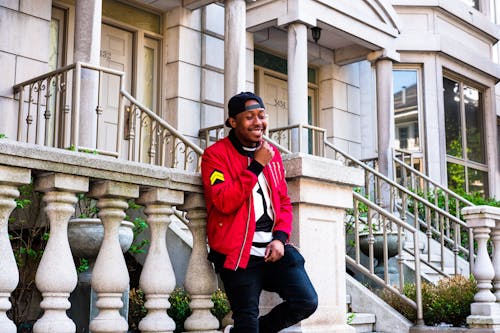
(495, 237)
(110, 276)
(10, 178)
(56, 276)
(157, 277)
(485, 311)
(201, 280)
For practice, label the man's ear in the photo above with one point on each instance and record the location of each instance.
(232, 122)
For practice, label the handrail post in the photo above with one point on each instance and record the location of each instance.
(75, 119)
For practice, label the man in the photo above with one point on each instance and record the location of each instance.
(249, 223)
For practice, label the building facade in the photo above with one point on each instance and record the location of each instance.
(419, 76)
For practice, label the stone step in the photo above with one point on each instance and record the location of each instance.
(362, 322)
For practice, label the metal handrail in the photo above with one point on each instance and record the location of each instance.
(401, 226)
(163, 123)
(49, 114)
(430, 180)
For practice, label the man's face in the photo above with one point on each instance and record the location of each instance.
(249, 126)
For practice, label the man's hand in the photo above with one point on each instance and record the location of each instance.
(264, 153)
(274, 251)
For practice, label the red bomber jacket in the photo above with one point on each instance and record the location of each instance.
(228, 186)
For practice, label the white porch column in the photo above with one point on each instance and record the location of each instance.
(157, 277)
(234, 49)
(56, 275)
(110, 276)
(297, 83)
(385, 115)
(485, 311)
(10, 178)
(87, 49)
(320, 190)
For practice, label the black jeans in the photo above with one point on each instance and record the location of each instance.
(287, 277)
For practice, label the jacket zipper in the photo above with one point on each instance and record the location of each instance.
(246, 230)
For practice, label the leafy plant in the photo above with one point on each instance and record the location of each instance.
(136, 309)
(179, 308)
(221, 305)
(447, 302)
(3, 136)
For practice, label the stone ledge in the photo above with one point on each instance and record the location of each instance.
(321, 169)
(48, 159)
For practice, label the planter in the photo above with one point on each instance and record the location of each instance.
(378, 250)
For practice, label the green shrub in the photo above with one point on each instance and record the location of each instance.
(449, 301)
(179, 308)
(136, 309)
(221, 305)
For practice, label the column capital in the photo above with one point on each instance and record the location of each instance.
(385, 54)
(161, 196)
(112, 189)
(14, 176)
(481, 216)
(61, 182)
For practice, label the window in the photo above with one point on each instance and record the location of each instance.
(406, 93)
(465, 149)
(472, 3)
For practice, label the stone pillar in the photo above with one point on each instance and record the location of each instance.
(10, 178)
(110, 276)
(234, 49)
(297, 84)
(201, 281)
(157, 277)
(485, 311)
(88, 20)
(385, 115)
(56, 275)
(320, 190)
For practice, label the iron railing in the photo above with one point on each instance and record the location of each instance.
(50, 114)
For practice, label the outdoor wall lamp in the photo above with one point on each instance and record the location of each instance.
(316, 33)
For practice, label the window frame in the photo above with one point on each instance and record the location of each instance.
(465, 161)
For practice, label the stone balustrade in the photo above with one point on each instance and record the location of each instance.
(320, 190)
(59, 175)
(485, 311)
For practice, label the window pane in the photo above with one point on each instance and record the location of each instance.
(473, 124)
(405, 83)
(456, 177)
(452, 118)
(477, 181)
(472, 3)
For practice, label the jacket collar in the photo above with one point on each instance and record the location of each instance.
(243, 150)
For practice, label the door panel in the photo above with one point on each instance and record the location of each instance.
(275, 96)
(116, 53)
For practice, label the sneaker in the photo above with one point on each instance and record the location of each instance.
(227, 329)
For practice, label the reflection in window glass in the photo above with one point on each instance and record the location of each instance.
(406, 109)
(474, 121)
(477, 181)
(465, 148)
(452, 115)
(472, 3)
(456, 176)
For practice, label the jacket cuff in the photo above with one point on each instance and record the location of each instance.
(281, 236)
(255, 167)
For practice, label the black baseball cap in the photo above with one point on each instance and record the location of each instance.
(237, 104)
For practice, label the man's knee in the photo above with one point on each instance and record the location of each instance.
(304, 308)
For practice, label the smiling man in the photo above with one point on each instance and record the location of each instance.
(250, 221)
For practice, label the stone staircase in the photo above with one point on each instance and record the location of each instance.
(369, 313)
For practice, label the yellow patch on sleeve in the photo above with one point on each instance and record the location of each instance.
(216, 177)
